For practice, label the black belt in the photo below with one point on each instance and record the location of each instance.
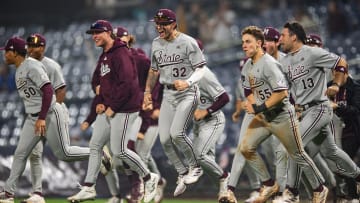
(34, 114)
(170, 87)
(307, 106)
(271, 114)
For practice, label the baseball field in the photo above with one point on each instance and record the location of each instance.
(62, 200)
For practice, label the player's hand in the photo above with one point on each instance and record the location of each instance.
(109, 112)
(155, 114)
(100, 108)
(200, 114)
(236, 116)
(332, 91)
(84, 126)
(40, 127)
(147, 103)
(248, 107)
(97, 90)
(140, 136)
(181, 85)
(334, 105)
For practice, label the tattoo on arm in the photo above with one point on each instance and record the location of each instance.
(151, 80)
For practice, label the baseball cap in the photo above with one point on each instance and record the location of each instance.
(271, 34)
(313, 39)
(36, 40)
(164, 16)
(15, 44)
(99, 26)
(120, 31)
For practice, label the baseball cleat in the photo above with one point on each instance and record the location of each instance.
(266, 192)
(252, 197)
(193, 175)
(320, 197)
(227, 197)
(34, 198)
(160, 191)
(181, 187)
(106, 161)
(4, 198)
(223, 184)
(287, 196)
(150, 187)
(114, 200)
(86, 193)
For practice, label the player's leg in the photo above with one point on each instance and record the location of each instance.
(119, 124)
(26, 143)
(58, 137)
(183, 116)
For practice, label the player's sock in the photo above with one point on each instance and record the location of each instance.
(224, 175)
(39, 193)
(319, 189)
(294, 191)
(232, 188)
(269, 182)
(88, 184)
(147, 177)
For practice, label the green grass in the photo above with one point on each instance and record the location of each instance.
(62, 200)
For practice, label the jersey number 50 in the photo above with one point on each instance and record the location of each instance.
(29, 92)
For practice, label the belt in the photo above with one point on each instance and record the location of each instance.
(34, 114)
(273, 113)
(305, 107)
(170, 87)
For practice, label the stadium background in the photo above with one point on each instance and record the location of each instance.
(217, 23)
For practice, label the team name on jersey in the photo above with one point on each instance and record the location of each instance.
(298, 72)
(255, 83)
(164, 59)
(104, 69)
(21, 83)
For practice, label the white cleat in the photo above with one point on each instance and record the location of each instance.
(320, 197)
(227, 197)
(287, 196)
(160, 191)
(34, 198)
(114, 200)
(106, 161)
(86, 193)
(252, 197)
(266, 192)
(193, 175)
(223, 184)
(5, 199)
(181, 187)
(150, 187)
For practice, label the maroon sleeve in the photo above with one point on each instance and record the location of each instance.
(92, 115)
(96, 77)
(48, 92)
(157, 94)
(219, 103)
(146, 121)
(126, 79)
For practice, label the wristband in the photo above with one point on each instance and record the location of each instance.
(260, 108)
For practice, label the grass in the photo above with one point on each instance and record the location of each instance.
(62, 200)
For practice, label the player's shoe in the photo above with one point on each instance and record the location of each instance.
(253, 195)
(287, 196)
(106, 161)
(115, 200)
(181, 187)
(86, 193)
(34, 198)
(353, 201)
(137, 191)
(266, 192)
(150, 187)
(320, 197)
(227, 197)
(193, 175)
(358, 188)
(160, 191)
(223, 182)
(5, 198)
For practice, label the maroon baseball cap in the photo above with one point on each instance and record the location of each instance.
(271, 34)
(120, 31)
(99, 26)
(36, 40)
(164, 16)
(15, 44)
(313, 39)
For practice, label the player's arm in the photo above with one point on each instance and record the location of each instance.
(339, 77)
(194, 78)
(150, 84)
(40, 125)
(60, 94)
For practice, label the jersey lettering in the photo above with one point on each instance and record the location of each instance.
(295, 73)
(179, 72)
(104, 69)
(164, 59)
(308, 83)
(264, 94)
(29, 92)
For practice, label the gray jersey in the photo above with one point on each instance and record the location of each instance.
(177, 59)
(53, 70)
(210, 89)
(29, 79)
(306, 70)
(264, 81)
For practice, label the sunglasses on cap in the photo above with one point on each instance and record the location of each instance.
(163, 20)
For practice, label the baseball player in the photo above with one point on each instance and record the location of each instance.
(267, 98)
(178, 60)
(36, 49)
(118, 104)
(305, 68)
(45, 118)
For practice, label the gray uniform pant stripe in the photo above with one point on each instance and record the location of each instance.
(173, 120)
(206, 134)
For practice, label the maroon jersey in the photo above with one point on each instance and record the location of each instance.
(143, 65)
(117, 76)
